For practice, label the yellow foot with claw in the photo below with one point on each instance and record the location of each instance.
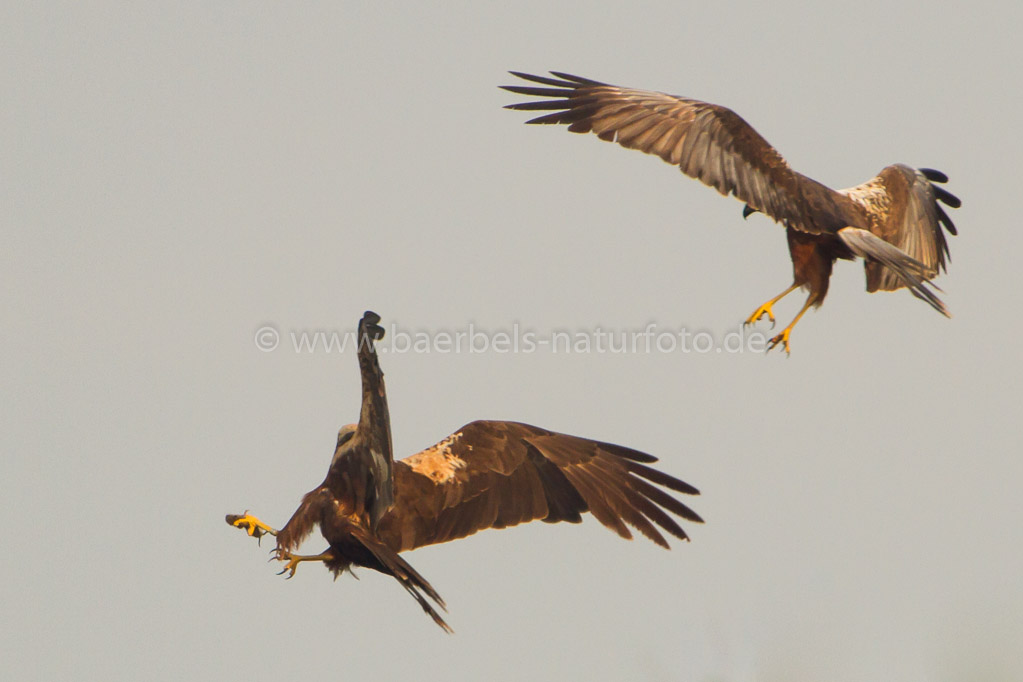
(760, 312)
(250, 524)
(291, 566)
(782, 338)
(295, 559)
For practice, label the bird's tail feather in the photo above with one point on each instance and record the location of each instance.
(912, 272)
(415, 584)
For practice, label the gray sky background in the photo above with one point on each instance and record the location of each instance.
(176, 177)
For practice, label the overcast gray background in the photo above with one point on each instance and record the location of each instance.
(176, 177)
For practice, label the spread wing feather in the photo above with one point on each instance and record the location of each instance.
(365, 469)
(492, 474)
(903, 207)
(708, 142)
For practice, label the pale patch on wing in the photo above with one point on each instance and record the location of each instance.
(902, 211)
(438, 463)
(874, 196)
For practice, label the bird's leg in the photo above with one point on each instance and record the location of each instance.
(295, 559)
(783, 338)
(765, 309)
(250, 524)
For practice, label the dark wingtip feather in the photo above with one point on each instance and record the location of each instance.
(661, 478)
(542, 105)
(543, 80)
(659, 497)
(627, 453)
(934, 175)
(946, 221)
(556, 117)
(577, 80)
(534, 91)
(370, 325)
(747, 211)
(947, 198)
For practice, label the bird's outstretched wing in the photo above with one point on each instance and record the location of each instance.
(365, 467)
(907, 214)
(708, 142)
(493, 474)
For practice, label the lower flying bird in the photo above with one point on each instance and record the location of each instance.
(488, 474)
(891, 221)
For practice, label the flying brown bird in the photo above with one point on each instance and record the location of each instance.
(488, 474)
(891, 221)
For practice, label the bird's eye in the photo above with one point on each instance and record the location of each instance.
(344, 436)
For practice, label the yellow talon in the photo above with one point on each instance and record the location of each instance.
(765, 309)
(768, 308)
(250, 524)
(782, 338)
(291, 566)
(293, 560)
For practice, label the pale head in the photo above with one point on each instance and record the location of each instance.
(344, 438)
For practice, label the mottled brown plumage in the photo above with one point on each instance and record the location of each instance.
(488, 474)
(893, 221)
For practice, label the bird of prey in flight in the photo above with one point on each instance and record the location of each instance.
(488, 474)
(893, 221)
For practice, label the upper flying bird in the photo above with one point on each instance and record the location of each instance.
(488, 474)
(893, 221)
